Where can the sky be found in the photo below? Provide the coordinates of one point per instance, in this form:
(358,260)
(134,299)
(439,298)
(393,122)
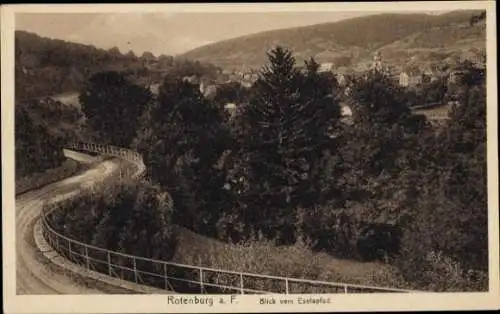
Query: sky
(166,32)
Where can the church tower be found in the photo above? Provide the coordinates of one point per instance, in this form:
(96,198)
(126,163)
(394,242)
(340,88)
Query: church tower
(377,62)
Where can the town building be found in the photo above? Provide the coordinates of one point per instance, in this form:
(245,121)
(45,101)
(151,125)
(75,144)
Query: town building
(341,74)
(326,67)
(410,78)
(341,79)
(231,109)
(208,88)
(346,114)
(377,62)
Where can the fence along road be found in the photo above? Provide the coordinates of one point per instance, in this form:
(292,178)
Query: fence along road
(173,276)
(34,274)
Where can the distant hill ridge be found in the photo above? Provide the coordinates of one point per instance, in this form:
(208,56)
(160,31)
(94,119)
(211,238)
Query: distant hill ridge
(354,39)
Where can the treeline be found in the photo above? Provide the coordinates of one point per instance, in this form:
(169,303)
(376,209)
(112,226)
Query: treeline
(284,166)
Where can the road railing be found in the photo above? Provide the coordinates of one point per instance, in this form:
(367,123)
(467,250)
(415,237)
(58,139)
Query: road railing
(177,277)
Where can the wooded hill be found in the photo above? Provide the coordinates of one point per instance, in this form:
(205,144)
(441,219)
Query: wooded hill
(353,40)
(45,66)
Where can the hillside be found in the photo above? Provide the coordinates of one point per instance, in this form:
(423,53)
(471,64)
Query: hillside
(45,66)
(353,40)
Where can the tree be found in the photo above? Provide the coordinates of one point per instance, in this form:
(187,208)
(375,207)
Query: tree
(450,219)
(435,92)
(36,149)
(129,217)
(148,56)
(379,154)
(113,106)
(148,229)
(183,137)
(165,61)
(477,18)
(320,95)
(284,134)
(232,92)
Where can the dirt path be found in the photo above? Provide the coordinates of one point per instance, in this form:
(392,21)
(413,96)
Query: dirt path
(34,273)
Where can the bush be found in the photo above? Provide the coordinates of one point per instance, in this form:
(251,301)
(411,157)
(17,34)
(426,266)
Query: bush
(438,272)
(132,218)
(265,258)
(348,233)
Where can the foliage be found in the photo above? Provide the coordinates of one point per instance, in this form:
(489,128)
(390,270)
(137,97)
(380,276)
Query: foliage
(264,257)
(381,148)
(282,139)
(232,92)
(174,138)
(432,92)
(133,218)
(46,67)
(36,149)
(186,67)
(451,217)
(285,170)
(113,106)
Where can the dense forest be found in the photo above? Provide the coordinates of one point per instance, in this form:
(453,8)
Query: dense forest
(285,167)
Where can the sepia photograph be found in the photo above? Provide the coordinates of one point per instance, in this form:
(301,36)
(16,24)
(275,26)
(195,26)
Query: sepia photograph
(213,156)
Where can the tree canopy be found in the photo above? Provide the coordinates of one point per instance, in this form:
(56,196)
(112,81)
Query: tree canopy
(113,105)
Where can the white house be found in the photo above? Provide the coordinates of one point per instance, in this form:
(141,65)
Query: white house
(404,79)
(326,67)
(346,114)
(410,78)
(208,89)
(341,79)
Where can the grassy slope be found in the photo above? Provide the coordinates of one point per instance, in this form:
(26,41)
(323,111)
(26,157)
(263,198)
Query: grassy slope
(356,37)
(292,261)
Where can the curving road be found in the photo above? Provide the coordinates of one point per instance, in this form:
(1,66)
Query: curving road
(34,273)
